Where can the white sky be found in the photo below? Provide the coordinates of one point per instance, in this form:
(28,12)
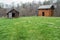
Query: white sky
(17,1)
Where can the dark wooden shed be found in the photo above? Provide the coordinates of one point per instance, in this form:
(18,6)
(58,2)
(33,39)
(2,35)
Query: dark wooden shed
(46,10)
(13,14)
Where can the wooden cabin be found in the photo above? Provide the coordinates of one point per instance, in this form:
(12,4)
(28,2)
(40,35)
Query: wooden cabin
(13,14)
(46,10)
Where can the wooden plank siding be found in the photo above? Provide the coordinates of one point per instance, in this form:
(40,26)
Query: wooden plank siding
(47,12)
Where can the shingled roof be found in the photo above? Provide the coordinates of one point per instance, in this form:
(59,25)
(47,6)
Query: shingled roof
(45,6)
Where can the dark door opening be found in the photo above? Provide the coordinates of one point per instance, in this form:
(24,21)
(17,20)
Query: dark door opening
(43,14)
(13,14)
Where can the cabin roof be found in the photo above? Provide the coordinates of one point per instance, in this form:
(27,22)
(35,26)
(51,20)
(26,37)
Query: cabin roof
(12,10)
(45,6)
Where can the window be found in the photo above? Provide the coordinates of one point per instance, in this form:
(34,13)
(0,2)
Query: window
(43,14)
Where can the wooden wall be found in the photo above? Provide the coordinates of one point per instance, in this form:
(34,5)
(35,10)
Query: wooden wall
(47,12)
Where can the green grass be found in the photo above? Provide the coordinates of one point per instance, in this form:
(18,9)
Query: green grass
(30,28)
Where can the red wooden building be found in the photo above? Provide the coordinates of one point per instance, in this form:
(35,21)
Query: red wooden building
(46,10)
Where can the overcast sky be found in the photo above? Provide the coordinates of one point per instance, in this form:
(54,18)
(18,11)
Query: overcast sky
(17,1)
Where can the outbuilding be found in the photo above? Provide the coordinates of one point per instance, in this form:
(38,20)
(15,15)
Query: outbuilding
(13,13)
(46,10)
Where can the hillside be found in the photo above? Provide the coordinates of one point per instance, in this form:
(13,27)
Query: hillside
(30,28)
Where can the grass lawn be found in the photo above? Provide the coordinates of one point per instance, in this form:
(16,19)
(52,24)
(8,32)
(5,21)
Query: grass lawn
(30,28)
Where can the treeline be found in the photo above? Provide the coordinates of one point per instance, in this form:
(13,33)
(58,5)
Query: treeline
(31,9)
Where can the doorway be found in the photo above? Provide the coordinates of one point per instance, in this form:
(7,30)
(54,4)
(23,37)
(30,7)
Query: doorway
(13,14)
(43,14)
